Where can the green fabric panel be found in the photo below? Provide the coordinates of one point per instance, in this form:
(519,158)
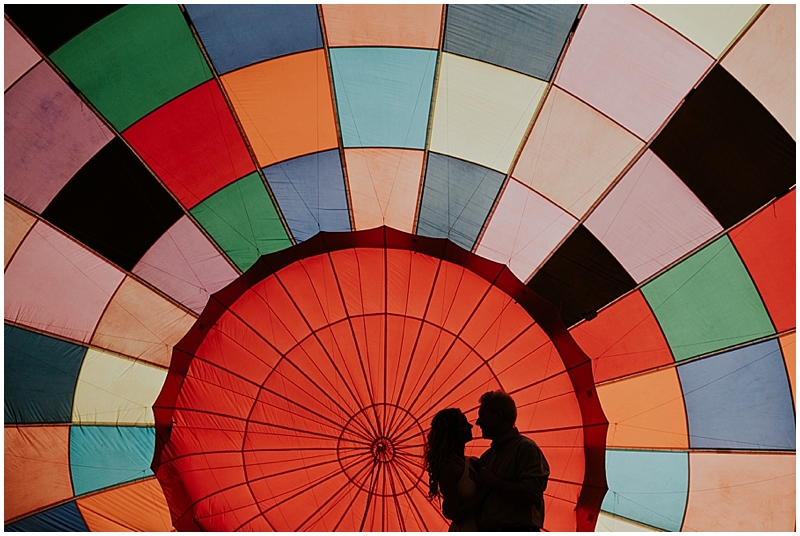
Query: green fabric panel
(133,61)
(242,219)
(708,302)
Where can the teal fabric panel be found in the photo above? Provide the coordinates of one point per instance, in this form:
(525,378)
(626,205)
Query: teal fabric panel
(383,95)
(456,199)
(104,456)
(740,400)
(647,486)
(524,38)
(40,377)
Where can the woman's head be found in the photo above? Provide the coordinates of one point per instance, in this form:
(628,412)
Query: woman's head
(450,432)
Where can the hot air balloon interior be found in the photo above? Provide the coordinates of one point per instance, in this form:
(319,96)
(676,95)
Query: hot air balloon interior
(251,250)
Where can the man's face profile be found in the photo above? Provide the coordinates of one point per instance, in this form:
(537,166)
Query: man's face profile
(489,420)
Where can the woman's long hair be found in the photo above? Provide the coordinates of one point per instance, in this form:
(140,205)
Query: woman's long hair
(443,443)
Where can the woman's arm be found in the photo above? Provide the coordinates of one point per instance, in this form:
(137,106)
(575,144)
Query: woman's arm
(453,507)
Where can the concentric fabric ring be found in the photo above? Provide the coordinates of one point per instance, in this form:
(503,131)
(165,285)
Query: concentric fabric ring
(318,371)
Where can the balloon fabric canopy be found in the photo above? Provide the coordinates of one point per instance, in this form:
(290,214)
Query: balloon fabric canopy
(250,251)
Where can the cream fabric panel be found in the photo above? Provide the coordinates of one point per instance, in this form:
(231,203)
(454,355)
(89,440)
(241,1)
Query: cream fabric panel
(574,153)
(114,390)
(741,491)
(712,27)
(609,523)
(764,61)
(141,324)
(482,111)
(384,186)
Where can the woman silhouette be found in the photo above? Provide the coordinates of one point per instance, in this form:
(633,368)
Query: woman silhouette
(453,475)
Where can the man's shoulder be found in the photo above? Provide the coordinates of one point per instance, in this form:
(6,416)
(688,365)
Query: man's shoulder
(526,444)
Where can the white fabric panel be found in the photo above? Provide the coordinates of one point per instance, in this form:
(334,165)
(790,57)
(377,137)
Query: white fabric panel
(113,390)
(524,229)
(482,111)
(712,27)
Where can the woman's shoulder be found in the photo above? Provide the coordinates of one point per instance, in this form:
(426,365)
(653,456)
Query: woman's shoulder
(452,469)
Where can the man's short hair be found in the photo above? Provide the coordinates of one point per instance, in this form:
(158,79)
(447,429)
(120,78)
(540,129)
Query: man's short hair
(502,401)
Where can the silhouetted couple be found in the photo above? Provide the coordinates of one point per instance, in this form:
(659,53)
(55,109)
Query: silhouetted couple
(501,491)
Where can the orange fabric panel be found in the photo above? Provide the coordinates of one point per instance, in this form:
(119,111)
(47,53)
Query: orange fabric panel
(280,318)
(285,106)
(139,323)
(233,345)
(555,445)
(384,186)
(17,224)
(231,395)
(624,339)
(455,285)
(212,471)
(137,507)
(559,503)
(405,267)
(231,508)
(312,283)
(498,321)
(766,244)
(645,411)
(417,25)
(548,405)
(361,275)
(36,468)
(789,348)
(741,491)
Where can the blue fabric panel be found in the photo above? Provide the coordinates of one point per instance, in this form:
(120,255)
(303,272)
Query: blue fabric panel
(648,487)
(383,95)
(40,377)
(62,518)
(524,38)
(739,400)
(238,35)
(456,199)
(310,192)
(103,456)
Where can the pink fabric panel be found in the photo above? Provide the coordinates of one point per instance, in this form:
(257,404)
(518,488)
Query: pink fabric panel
(19,56)
(524,229)
(630,66)
(49,135)
(57,286)
(651,219)
(185,265)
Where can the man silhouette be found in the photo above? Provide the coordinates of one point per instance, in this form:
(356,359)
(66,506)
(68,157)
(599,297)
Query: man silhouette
(513,468)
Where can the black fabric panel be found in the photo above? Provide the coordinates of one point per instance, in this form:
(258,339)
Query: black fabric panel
(114,205)
(51,25)
(581,277)
(728,149)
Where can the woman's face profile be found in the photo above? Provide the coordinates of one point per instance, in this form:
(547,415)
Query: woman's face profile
(465,429)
